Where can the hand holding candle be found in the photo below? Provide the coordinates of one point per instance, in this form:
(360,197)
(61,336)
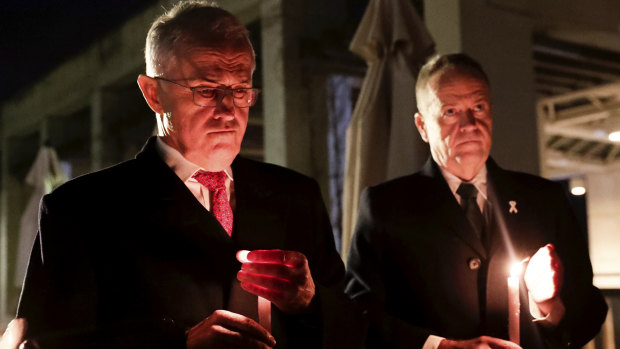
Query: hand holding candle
(543,276)
(282,277)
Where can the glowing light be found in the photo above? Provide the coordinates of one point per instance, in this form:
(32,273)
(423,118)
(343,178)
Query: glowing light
(514,303)
(516,269)
(577,186)
(242,256)
(614,136)
(578,191)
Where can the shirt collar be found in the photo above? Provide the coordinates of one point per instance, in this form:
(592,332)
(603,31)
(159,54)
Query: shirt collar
(182,167)
(479,181)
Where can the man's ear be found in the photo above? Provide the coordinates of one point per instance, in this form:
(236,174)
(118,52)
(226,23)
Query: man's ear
(149,88)
(421,126)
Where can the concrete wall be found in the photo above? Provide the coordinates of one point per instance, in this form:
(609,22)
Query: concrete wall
(500,40)
(604,227)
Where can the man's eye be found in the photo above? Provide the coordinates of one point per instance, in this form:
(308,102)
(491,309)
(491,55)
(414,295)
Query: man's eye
(206,92)
(479,107)
(240,93)
(449,112)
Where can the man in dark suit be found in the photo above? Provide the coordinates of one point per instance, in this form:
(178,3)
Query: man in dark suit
(431,253)
(142,254)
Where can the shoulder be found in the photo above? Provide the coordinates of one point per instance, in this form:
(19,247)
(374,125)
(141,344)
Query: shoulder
(107,181)
(274,176)
(524,181)
(405,186)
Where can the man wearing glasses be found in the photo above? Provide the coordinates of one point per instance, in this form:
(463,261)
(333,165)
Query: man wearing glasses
(143,254)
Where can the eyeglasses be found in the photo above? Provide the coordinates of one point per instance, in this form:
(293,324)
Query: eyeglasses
(211,97)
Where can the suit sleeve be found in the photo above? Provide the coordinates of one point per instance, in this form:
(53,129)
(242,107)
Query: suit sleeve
(59,296)
(366,287)
(585,306)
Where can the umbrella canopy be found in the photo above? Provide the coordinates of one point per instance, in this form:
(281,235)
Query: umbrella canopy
(44,175)
(382,142)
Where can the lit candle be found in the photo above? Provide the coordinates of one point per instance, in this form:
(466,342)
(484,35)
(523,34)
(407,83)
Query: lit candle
(514,304)
(264,306)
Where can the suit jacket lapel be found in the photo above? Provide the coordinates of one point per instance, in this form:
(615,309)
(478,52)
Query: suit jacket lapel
(449,211)
(174,205)
(257,222)
(507,224)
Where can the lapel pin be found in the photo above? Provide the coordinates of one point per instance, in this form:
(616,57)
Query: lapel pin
(513,207)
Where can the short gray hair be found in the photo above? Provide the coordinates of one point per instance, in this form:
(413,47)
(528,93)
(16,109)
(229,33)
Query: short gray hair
(437,63)
(192,23)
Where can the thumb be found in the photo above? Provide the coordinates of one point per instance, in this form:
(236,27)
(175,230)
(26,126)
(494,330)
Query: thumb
(14,335)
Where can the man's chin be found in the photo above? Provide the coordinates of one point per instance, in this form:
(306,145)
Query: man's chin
(215,158)
(471,160)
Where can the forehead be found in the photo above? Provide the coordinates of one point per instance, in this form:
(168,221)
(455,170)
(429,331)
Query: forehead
(457,84)
(211,62)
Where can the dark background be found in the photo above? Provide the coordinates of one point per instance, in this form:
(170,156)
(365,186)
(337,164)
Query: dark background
(37,35)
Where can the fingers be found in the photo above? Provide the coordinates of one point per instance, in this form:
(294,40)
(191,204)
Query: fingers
(243,325)
(282,277)
(29,344)
(237,339)
(277,274)
(483,342)
(543,276)
(291,259)
(293,294)
(14,334)
(267,281)
(498,343)
(225,329)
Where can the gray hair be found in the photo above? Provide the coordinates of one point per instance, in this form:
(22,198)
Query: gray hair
(438,63)
(192,23)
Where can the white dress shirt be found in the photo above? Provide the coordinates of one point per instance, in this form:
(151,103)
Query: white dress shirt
(185,169)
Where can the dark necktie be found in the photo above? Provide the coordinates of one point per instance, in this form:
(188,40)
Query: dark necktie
(468,194)
(220,207)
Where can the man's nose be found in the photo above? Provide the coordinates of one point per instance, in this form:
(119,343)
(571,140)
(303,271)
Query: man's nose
(226,107)
(467,119)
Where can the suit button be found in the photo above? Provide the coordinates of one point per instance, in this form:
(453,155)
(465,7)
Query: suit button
(474,263)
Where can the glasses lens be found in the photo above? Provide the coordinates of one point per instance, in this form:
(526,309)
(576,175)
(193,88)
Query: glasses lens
(211,97)
(245,98)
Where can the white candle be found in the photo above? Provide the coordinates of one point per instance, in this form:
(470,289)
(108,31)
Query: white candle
(264,313)
(514,304)
(264,306)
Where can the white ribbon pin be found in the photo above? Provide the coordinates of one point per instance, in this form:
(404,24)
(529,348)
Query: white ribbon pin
(513,207)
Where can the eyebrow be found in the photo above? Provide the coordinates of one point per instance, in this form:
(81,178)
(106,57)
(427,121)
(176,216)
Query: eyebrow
(216,82)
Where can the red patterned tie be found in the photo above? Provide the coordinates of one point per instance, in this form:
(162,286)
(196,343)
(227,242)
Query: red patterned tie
(220,207)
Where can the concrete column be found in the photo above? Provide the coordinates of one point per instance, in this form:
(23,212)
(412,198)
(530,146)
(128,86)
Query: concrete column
(287,136)
(499,37)
(96,130)
(4,238)
(106,107)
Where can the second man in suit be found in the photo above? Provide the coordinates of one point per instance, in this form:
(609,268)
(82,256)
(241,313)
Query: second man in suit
(432,251)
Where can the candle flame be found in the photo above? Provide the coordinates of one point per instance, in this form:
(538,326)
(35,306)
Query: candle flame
(515,269)
(242,256)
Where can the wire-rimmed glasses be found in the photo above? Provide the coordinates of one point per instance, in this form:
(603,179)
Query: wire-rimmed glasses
(211,97)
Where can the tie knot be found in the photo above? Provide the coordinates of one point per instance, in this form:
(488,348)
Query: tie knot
(212,180)
(467,191)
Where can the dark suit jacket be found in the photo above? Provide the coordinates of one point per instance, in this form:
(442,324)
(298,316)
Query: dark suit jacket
(412,264)
(128,256)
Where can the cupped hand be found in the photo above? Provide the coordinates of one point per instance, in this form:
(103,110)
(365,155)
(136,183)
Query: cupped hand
(543,276)
(483,342)
(14,336)
(224,329)
(283,277)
